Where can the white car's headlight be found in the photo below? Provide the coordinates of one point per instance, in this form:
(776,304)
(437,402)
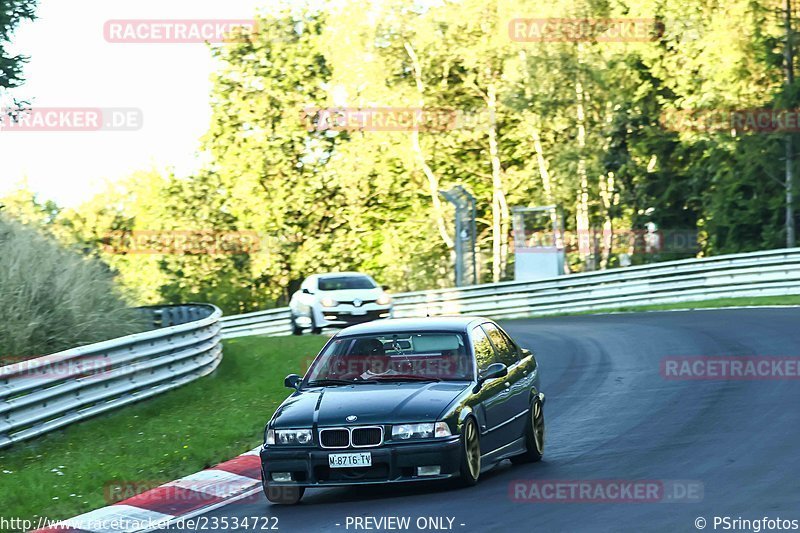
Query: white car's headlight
(384,299)
(420,431)
(289,437)
(328,302)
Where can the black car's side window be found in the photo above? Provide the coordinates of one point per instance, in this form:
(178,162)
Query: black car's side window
(506,352)
(484,353)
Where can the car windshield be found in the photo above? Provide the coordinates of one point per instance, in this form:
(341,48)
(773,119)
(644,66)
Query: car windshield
(345,282)
(422,356)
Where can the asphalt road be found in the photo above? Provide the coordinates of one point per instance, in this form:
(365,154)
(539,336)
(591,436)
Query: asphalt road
(611,415)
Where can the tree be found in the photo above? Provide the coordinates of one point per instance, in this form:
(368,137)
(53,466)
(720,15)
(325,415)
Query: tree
(12,12)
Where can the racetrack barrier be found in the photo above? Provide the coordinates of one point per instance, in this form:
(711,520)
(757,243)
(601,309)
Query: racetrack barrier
(42,394)
(768,273)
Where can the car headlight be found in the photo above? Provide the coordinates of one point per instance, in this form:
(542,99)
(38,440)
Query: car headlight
(384,299)
(288,437)
(328,302)
(420,431)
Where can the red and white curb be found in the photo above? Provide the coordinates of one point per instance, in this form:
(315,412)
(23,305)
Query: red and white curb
(183,498)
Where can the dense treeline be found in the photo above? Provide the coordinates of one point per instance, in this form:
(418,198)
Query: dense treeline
(614,132)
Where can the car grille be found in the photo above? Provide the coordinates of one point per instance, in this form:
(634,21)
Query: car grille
(367,436)
(357,437)
(334,438)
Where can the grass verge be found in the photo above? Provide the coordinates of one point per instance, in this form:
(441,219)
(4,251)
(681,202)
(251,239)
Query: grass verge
(178,433)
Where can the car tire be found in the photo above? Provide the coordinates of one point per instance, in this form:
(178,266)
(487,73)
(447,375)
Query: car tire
(470,469)
(534,436)
(314,328)
(282,495)
(296,330)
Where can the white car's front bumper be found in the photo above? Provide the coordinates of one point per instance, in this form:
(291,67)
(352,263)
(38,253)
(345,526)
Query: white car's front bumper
(344,315)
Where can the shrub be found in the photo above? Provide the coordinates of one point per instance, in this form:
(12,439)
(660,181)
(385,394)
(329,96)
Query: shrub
(52,298)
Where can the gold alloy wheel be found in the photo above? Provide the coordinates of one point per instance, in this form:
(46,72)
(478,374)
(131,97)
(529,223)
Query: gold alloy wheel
(537,419)
(473,449)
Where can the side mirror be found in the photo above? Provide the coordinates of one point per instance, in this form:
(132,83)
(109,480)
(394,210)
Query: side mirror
(385,287)
(525,353)
(495,370)
(306,291)
(292,381)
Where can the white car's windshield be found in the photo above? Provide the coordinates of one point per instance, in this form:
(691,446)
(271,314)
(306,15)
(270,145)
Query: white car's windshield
(338,283)
(423,356)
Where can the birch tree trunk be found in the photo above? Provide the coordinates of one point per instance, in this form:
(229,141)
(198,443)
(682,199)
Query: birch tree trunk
(500,214)
(582,207)
(433,181)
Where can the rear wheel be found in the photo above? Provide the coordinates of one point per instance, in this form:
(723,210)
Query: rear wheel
(470,454)
(534,436)
(282,495)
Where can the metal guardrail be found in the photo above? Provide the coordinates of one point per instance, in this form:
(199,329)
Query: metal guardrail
(769,273)
(52,391)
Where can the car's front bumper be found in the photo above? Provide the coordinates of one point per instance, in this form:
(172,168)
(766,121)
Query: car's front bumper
(390,464)
(348,317)
(343,316)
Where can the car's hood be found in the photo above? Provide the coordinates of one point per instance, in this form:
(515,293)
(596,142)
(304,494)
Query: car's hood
(386,403)
(348,295)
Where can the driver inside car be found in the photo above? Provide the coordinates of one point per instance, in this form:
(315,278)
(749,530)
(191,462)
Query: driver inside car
(377,362)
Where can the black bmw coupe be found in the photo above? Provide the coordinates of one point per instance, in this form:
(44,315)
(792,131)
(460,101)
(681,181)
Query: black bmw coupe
(404,400)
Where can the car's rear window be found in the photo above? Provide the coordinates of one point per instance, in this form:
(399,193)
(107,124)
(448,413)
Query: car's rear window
(441,356)
(345,282)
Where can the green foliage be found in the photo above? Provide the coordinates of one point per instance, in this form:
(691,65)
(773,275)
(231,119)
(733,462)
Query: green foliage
(363,200)
(12,12)
(53,298)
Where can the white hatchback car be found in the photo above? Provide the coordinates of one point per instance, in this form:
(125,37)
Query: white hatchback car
(338,299)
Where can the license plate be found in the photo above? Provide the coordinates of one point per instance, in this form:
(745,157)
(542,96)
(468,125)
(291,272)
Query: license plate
(359,312)
(349,460)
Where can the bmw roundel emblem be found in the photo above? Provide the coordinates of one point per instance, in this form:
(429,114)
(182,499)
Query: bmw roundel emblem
(351,418)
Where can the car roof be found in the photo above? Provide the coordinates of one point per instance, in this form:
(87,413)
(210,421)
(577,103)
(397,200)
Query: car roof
(404,325)
(337,274)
